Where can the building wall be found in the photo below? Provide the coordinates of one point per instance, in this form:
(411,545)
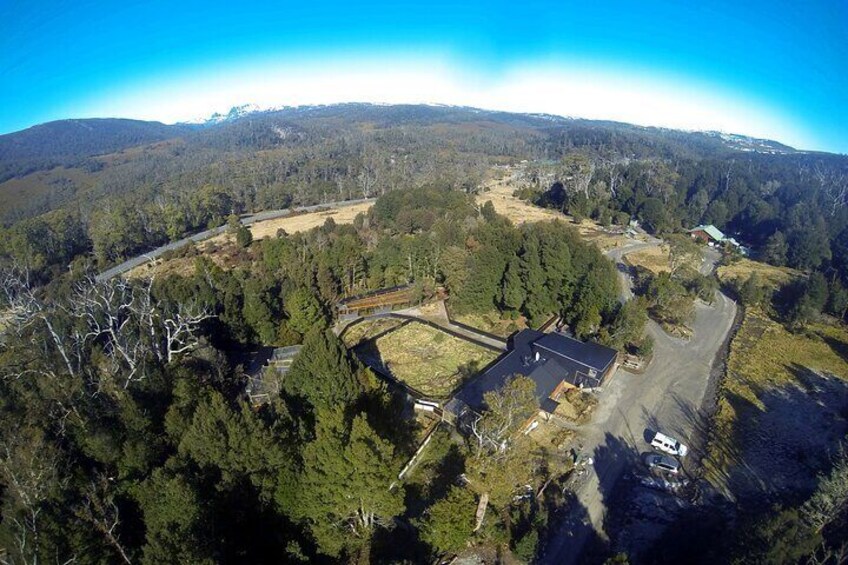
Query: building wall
(702,235)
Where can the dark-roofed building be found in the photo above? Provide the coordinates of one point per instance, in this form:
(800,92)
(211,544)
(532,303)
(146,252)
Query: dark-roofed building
(554,361)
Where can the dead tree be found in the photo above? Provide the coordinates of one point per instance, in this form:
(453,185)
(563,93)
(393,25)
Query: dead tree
(181,328)
(99,509)
(31,470)
(25,308)
(106,309)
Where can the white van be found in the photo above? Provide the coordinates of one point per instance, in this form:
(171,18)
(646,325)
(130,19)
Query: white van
(669,445)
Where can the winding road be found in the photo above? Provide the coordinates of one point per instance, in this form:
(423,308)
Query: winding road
(668,397)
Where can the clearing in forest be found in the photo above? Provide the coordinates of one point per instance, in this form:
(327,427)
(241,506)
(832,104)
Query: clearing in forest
(428,360)
(305,222)
(221,247)
(742,270)
(782,408)
(500,193)
(655,259)
(296,223)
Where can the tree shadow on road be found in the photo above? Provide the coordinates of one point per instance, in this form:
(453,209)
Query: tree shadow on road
(613,459)
(653,426)
(573,538)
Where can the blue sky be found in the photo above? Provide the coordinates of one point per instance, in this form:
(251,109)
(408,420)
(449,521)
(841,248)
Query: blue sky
(773,69)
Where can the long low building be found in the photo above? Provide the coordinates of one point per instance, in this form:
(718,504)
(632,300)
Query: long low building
(707,234)
(554,361)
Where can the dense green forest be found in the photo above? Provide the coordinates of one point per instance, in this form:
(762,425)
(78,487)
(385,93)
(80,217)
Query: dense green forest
(119,194)
(126,434)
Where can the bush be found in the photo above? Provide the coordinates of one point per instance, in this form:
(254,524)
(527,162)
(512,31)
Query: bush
(287,336)
(645,347)
(525,548)
(243,237)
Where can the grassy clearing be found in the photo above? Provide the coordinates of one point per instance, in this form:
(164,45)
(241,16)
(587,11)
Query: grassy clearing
(764,362)
(594,233)
(181,262)
(368,329)
(655,259)
(430,360)
(301,222)
(221,248)
(518,211)
(500,193)
(492,322)
(763,353)
(742,270)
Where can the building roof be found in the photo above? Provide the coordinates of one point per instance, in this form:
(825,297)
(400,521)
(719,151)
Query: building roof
(711,231)
(586,353)
(559,358)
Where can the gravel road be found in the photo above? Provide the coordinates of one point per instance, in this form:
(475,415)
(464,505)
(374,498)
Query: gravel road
(665,398)
(204,235)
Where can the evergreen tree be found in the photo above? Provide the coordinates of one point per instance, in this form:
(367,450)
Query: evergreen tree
(304,311)
(450,521)
(323,372)
(175,520)
(775,249)
(243,237)
(344,491)
(556,261)
(259,308)
(235,445)
(538,303)
(511,288)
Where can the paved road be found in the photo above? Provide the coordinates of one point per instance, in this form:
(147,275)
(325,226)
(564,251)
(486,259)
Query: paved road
(666,397)
(204,235)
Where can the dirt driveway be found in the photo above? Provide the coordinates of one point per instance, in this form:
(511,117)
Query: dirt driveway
(667,398)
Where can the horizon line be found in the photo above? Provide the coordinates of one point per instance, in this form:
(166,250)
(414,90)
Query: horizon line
(258,109)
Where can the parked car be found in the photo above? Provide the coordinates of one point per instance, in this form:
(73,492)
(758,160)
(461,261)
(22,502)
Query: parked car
(662,462)
(669,445)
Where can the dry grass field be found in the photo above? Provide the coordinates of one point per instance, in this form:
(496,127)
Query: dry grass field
(492,323)
(655,259)
(368,329)
(500,193)
(430,360)
(220,248)
(781,407)
(518,211)
(224,253)
(305,222)
(301,222)
(764,353)
(744,268)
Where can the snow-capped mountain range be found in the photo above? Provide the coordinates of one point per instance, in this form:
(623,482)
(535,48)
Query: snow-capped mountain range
(734,141)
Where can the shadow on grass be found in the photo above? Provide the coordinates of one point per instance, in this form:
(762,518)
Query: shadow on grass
(773,454)
(837,346)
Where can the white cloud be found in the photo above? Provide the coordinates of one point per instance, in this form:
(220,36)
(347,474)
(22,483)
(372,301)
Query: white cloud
(628,95)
